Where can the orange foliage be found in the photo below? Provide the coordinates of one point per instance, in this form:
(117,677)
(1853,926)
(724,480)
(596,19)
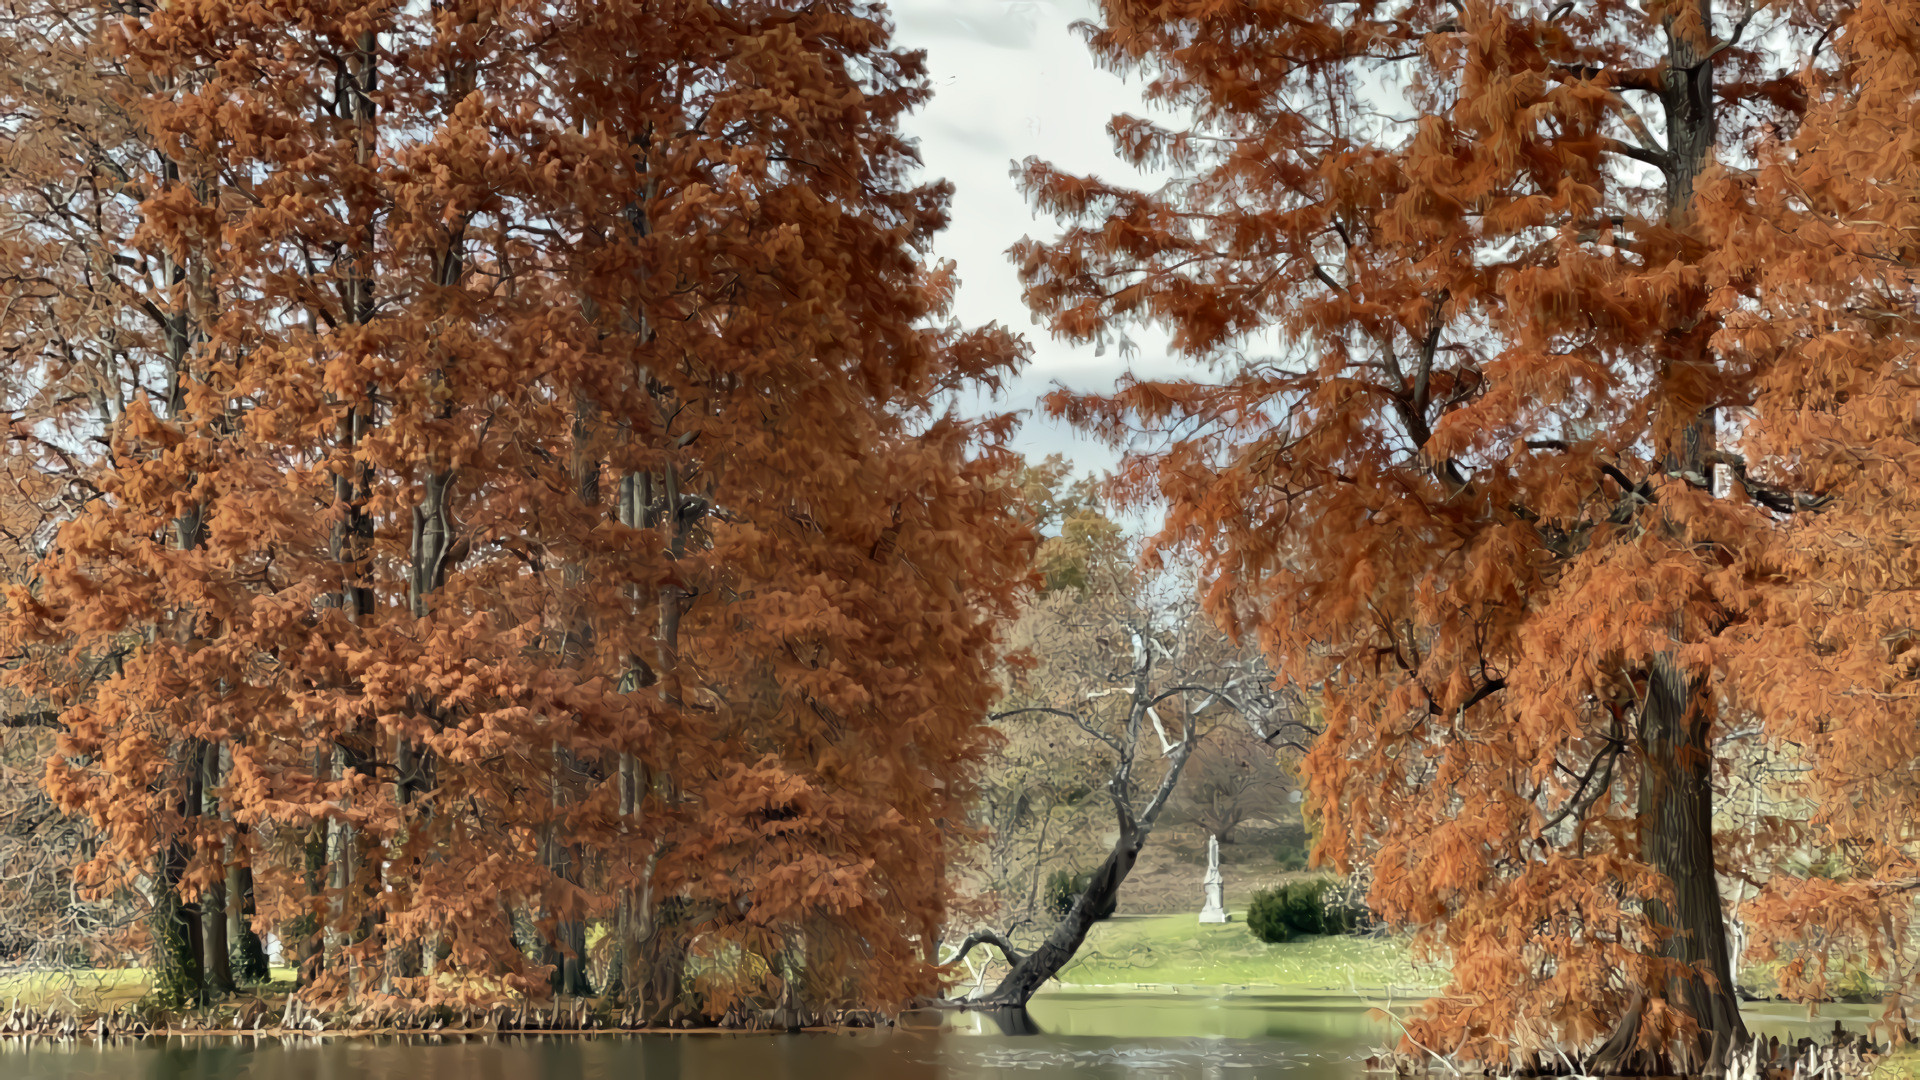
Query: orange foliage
(1815,276)
(551,513)
(1486,494)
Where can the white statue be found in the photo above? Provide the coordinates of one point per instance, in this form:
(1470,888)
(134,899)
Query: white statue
(1215,910)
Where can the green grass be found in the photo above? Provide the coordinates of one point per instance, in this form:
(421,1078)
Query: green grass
(83,990)
(1177,950)
(93,989)
(1902,1064)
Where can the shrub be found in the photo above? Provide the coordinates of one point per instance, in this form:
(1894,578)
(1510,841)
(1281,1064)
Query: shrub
(1300,908)
(1063,886)
(1264,918)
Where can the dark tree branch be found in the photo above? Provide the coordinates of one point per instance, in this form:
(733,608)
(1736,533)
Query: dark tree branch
(1578,804)
(1659,159)
(1773,498)
(986,937)
(1487,690)
(1035,709)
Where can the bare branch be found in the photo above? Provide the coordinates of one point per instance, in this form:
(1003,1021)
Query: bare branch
(985,937)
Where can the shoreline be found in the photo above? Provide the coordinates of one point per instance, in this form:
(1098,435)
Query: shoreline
(296,1021)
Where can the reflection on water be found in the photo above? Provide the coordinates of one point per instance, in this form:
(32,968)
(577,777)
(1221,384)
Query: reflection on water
(1135,1036)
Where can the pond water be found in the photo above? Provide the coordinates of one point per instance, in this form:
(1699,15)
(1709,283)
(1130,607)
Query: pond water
(1135,1036)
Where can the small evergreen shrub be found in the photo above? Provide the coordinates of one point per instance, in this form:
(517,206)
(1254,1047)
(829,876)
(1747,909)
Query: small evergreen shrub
(1267,918)
(1302,908)
(1063,886)
(249,958)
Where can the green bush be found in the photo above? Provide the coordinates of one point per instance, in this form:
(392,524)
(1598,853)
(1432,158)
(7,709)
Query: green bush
(1063,886)
(1301,908)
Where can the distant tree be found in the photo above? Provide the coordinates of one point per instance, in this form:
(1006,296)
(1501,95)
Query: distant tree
(1135,675)
(1233,776)
(1070,513)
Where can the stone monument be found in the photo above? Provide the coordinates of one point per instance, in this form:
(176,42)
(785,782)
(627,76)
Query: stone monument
(1216,909)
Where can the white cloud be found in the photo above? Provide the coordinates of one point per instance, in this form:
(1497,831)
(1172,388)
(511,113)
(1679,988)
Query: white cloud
(1012,79)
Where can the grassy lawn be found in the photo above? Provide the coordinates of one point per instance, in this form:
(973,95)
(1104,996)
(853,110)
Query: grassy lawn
(1177,950)
(1903,1064)
(88,991)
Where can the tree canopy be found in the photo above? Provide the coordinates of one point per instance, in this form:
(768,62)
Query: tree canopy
(1591,372)
(527,496)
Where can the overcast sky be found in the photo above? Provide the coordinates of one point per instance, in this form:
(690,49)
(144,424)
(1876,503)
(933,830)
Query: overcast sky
(1011,79)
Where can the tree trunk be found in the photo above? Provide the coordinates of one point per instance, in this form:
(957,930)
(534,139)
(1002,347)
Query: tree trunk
(565,946)
(180,947)
(236,925)
(248,960)
(1676,838)
(567,951)
(1676,789)
(621,977)
(403,953)
(340,858)
(177,948)
(250,953)
(216,960)
(1032,971)
(308,933)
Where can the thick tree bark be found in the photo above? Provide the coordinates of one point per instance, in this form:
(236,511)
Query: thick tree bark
(216,960)
(177,943)
(1676,790)
(1676,838)
(217,963)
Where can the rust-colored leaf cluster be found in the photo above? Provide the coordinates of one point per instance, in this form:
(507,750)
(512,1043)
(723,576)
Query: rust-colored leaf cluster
(1561,434)
(515,492)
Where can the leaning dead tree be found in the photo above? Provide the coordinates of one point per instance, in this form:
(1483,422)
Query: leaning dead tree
(1142,681)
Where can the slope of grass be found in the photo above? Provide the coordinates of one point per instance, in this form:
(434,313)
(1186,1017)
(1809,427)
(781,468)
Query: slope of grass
(1178,950)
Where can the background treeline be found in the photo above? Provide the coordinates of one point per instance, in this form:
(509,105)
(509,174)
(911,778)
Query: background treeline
(481,501)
